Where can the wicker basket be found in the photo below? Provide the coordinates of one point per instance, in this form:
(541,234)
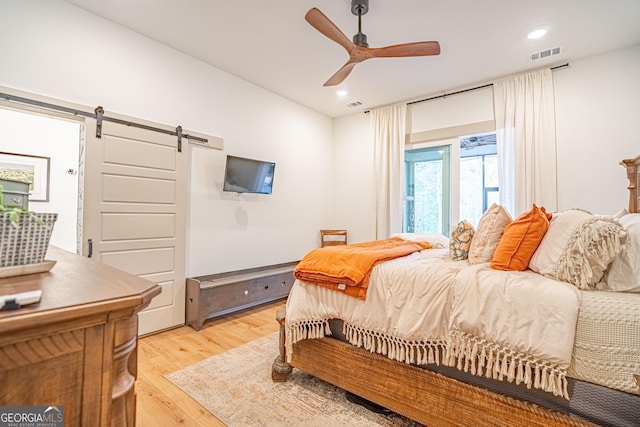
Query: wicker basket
(27,243)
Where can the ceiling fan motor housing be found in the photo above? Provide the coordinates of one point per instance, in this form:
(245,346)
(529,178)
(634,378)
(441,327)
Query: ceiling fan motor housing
(360,39)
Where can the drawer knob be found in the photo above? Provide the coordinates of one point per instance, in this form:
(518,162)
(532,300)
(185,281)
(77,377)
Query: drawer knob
(266,287)
(283,284)
(246,292)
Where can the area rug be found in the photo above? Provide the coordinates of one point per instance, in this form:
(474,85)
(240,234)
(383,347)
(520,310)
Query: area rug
(236,387)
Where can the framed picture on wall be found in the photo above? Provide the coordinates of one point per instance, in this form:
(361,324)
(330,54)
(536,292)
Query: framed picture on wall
(27,168)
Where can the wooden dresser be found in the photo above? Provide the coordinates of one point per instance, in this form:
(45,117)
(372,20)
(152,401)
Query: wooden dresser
(77,348)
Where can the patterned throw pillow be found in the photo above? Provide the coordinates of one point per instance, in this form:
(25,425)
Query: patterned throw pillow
(578,247)
(461,238)
(488,234)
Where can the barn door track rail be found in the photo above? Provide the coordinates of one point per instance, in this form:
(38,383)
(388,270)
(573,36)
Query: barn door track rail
(100,117)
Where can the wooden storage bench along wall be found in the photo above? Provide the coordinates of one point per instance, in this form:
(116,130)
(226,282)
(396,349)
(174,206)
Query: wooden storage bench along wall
(218,294)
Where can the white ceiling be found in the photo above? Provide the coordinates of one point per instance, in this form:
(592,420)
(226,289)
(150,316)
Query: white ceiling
(268,42)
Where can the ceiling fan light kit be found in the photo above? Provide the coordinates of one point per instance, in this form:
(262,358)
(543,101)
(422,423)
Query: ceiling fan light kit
(359,49)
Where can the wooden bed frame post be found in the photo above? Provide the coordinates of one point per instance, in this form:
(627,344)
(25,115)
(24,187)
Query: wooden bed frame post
(633,174)
(281,369)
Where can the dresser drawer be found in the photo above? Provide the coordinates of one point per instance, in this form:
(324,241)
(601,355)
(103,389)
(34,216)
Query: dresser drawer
(273,286)
(15,193)
(220,298)
(15,199)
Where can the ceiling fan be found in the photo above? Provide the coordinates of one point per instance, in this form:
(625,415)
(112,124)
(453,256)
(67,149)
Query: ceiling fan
(359,49)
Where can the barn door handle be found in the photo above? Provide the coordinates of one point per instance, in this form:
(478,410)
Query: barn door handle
(90,248)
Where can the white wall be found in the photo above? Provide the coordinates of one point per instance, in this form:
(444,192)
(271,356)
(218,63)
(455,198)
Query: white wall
(454,110)
(596,126)
(597,122)
(353,196)
(248,230)
(55,49)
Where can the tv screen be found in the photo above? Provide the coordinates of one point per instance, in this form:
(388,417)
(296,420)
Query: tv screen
(248,175)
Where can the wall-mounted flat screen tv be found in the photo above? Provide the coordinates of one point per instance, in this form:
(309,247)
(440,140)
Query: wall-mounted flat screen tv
(243,175)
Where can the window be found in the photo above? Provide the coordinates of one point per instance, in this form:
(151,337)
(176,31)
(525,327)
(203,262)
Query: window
(427,172)
(478,176)
(450,180)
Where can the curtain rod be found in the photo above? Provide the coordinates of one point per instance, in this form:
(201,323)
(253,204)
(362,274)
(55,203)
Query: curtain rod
(444,95)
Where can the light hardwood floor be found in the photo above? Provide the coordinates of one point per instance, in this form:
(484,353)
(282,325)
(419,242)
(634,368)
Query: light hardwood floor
(159,402)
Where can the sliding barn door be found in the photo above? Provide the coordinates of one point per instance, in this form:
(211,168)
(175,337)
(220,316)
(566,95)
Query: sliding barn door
(135,197)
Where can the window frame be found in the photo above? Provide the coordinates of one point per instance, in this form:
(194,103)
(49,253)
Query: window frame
(453,141)
(454,176)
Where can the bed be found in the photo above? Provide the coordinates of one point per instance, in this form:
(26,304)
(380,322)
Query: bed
(458,366)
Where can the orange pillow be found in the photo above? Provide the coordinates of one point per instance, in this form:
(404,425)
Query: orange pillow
(520,240)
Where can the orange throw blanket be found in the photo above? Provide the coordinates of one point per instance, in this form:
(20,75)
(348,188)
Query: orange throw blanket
(346,268)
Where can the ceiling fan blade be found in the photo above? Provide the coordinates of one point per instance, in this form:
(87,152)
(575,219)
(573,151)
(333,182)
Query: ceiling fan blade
(341,74)
(320,22)
(407,49)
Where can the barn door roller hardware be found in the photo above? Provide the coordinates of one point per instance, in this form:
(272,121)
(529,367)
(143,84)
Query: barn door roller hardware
(100,117)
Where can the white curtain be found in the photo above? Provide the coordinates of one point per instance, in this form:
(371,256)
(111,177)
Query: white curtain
(526,141)
(388,126)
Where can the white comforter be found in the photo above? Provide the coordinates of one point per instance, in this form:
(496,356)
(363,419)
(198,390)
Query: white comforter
(425,308)
(518,326)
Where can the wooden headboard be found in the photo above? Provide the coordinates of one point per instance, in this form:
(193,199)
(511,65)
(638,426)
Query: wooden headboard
(633,173)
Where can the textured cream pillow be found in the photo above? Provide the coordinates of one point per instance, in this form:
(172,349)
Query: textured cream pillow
(623,274)
(488,234)
(578,247)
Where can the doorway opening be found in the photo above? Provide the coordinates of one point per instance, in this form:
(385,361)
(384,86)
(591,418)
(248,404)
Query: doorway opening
(59,141)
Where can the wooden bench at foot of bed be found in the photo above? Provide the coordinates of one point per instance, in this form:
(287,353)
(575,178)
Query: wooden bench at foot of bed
(424,396)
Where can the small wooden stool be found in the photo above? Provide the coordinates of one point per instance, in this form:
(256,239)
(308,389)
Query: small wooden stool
(333,237)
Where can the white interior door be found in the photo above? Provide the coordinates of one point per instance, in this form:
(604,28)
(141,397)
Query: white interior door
(135,197)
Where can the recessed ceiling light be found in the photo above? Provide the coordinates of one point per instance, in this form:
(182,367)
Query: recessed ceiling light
(342,93)
(537,33)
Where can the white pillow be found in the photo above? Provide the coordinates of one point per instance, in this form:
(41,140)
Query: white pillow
(488,234)
(622,212)
(623,274)
(436,240)
(578,247)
